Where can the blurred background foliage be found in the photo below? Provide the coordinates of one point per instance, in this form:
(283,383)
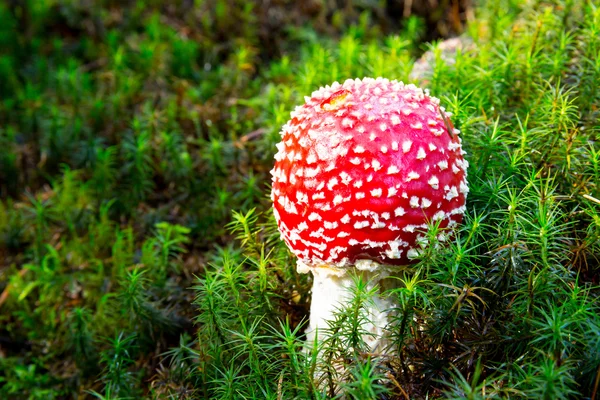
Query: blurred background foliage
(138,256)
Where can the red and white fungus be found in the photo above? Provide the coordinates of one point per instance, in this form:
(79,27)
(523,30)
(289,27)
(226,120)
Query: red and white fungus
(363,168)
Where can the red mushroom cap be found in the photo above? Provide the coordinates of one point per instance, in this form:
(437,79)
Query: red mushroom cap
(361,171)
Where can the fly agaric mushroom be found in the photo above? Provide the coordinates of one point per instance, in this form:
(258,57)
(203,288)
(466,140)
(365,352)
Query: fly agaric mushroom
(361,171)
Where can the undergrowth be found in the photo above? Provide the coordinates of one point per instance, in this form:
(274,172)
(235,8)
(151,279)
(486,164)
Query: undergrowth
(139,256)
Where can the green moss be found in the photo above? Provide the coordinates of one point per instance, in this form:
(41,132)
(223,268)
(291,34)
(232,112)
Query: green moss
(138,253)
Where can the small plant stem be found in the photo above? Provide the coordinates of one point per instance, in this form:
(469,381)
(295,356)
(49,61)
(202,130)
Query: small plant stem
(596,383)
(401,342)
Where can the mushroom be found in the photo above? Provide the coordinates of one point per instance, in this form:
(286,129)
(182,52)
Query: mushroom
(362,169)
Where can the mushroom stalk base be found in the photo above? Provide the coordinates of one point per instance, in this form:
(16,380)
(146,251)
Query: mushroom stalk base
(332,288)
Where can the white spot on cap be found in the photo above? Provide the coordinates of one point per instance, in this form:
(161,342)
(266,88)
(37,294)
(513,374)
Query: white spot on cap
(439,215)
(443,164)
(314,217)
(394,145)
(385,215)
(395,120)
(421,154)
(452,146)
(330,225)
(412,254)
(345,219)
(464,189)
(338,199)
(280,176)
(311,158)
(384,149)
(406,145)
(434,182)
(359,195)
(376,192)
(422,241)
(425,202)
(392,192)
(301,197)
(282,201)
(291,208)
(452,193)
(398,212)
(412,175)
(316,234)
(462,164)
(345,178)
(359,149)
(357,184)
(311,172)
(361,224)
(332,182)
(455,169)
(458,210)
(416,125)
(392,170)
(382,127)
(303,141)
(376,165)
(394,252)
(343,234)
(432,147)
(414,202)
(323,206)
(372,136)
(323,152)
(355,160)
(378,225)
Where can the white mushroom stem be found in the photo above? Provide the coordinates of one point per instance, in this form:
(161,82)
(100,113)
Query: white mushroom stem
(332,289)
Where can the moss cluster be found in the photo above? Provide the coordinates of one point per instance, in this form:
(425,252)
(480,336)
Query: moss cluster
(138,254)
